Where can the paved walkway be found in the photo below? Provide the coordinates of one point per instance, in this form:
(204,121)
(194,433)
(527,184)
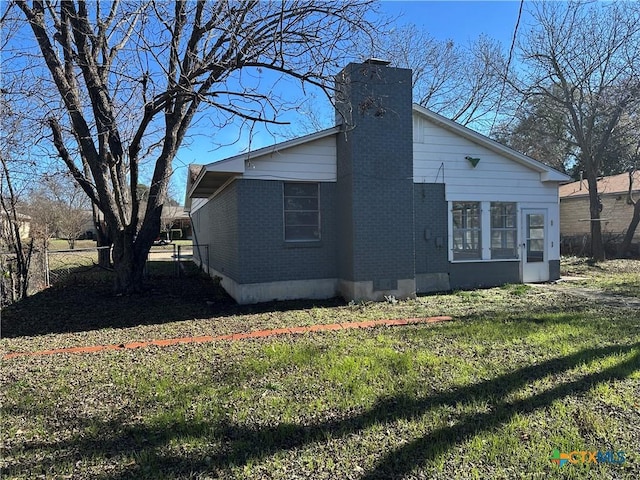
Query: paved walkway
(232,337)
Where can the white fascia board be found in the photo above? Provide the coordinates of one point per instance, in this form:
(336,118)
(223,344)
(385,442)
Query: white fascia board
(230,165)
(277,147)
(547,174)
(554,176)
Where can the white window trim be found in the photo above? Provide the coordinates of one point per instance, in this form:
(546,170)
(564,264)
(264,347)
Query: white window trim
(517,229)
(485,232)
(451,240)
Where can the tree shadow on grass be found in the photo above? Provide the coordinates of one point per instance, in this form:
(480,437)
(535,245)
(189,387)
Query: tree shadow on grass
(81,306)
(242,444)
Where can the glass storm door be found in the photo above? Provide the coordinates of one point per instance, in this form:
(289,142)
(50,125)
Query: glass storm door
(535,265)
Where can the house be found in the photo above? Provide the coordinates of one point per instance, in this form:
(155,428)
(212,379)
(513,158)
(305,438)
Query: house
(615,215)
(174,220)
(394,200)
(24,226)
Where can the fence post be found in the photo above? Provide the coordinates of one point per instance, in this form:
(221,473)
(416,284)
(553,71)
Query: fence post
(145,270)
(178,261)
(47,274)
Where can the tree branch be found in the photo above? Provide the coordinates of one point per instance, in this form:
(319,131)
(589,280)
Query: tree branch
(58,142)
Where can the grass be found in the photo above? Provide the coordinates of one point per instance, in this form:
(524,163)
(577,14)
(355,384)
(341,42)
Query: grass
(62,244)
(521,371)
(619,277)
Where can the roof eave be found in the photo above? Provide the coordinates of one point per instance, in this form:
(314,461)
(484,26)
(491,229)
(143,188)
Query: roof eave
(220,172)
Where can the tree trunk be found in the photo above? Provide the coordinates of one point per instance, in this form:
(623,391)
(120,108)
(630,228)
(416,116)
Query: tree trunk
(130,253)
(128,265)
(103,239)
(597,247)
(628,236)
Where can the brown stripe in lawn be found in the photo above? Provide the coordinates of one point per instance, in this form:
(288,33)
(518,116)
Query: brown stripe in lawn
(232,337)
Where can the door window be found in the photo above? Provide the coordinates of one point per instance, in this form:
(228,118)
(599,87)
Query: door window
(535,237)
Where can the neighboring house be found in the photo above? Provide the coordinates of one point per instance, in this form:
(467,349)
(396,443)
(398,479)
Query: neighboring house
(396,200)
(616,212)
(24,226)
(173,218)
(176,218)
(89,227)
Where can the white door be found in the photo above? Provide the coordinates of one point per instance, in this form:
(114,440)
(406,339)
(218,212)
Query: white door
(535,264)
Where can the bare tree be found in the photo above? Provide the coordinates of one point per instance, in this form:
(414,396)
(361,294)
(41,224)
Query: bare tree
(625,246)
(583,59)
(15,262)
(45,216)
(460,82)
(540,129)
(150,68)
(58,207)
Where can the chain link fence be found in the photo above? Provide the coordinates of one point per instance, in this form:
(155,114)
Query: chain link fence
(59,267)
(9,281)
(63,266)
(173,258)
(580,245)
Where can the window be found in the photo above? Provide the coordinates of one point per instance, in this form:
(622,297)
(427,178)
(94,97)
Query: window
(535,237)
(466,231)
(504,230)
(301,212)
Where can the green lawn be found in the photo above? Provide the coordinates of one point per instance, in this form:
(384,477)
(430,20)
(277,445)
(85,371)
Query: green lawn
(62,244)
(519,373)
(619,277)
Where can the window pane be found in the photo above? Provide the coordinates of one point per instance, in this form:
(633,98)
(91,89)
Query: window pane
(302,233)
(503,239)
(510,239)
(301,218)
(300,203)
(457,219)
(301,189)
(536,233)
(536,220)
(496,239)
(472,240)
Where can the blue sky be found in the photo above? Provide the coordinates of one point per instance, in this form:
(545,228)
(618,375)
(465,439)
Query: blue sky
(460,21)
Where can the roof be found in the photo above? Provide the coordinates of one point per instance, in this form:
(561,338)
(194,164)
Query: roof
(21,217)
(614,184)
(174,211)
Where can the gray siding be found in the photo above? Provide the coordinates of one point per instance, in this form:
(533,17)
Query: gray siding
(554,270)
(216,225)
(483,274)
(431,229)
(264,255)
(375,176)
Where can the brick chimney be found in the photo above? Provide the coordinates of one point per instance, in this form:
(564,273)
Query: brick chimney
(376,251)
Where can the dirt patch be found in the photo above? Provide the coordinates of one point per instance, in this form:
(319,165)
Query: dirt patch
(595,295)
